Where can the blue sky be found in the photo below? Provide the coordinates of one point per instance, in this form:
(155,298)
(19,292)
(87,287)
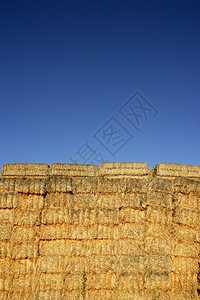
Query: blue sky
(67,67)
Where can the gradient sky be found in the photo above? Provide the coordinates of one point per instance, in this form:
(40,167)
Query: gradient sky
(67,67)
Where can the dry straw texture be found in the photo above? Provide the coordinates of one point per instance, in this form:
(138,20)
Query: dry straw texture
(117,232)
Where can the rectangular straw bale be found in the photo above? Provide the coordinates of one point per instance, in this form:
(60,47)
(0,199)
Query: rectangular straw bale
(4,266)
(102,247)
(7,185)
(25,170)
(22,267)
(4,249)
(157,279)
(59,247)
(164,185)
(50,264)
(187,234)
(59,200)
(186,217)
(24,250)
(22,283)
(131,263)
(5,231)
(123,169)
(26,217)
(159,263)
(188,201)
(61,184)
(185,265)
(100,294)
(102,264)
(54,232)
(54,295)
(50,282)
(101,281)
(74,170)
(82,201)
(136,185)
(176,170)
(157,246)
(84,185)
(134,200)
(55,216)
(130,246)
(186,249)
(75,265)
(8,200)
(73,282)
(6,216)
(159,215)
(5,283)
(131,283)
(160,200)
(111,185)
(22,234)
(108,201)
(132,231)
(127,215)
(158,230)
(30,202)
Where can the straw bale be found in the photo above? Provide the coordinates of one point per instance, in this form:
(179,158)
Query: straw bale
(22,267)
(4,266)
(25,170)
(6,216)
(54,232)
(26,217)
(55,216)
(185,185)
(185,265)
(22,234)
(5,231)
(74,170)
(186,216)
(83,216)
(7,185)
(59,247)
(131,263)
(22,295)
(50,282)
(188,201)
(127,215)
(108,201)
(52,295)
(75,265)
(78,248)
(24,250)
(4,249)
(186,250)
(29,185)
(59,200)
(8,200)
(73,282)
(159,215)
(157,245)
(132,231)
(159,263)
(111,185)
(163,185)
(5,283)
(134,200)
(84,185)
(107,216)
(22,283)
(61,184)
(158,230)
(136,185)
(160,199)
(101,281)
(187,234)
(104,294)
(107,232)
(183,281)
(127,169)
(175,170)
(50,264)
(131,283)
(158,280)
(30,202)
(130,246)
(102,264)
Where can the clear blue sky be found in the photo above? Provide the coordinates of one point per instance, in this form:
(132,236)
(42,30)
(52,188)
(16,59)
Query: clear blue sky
(68,70)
